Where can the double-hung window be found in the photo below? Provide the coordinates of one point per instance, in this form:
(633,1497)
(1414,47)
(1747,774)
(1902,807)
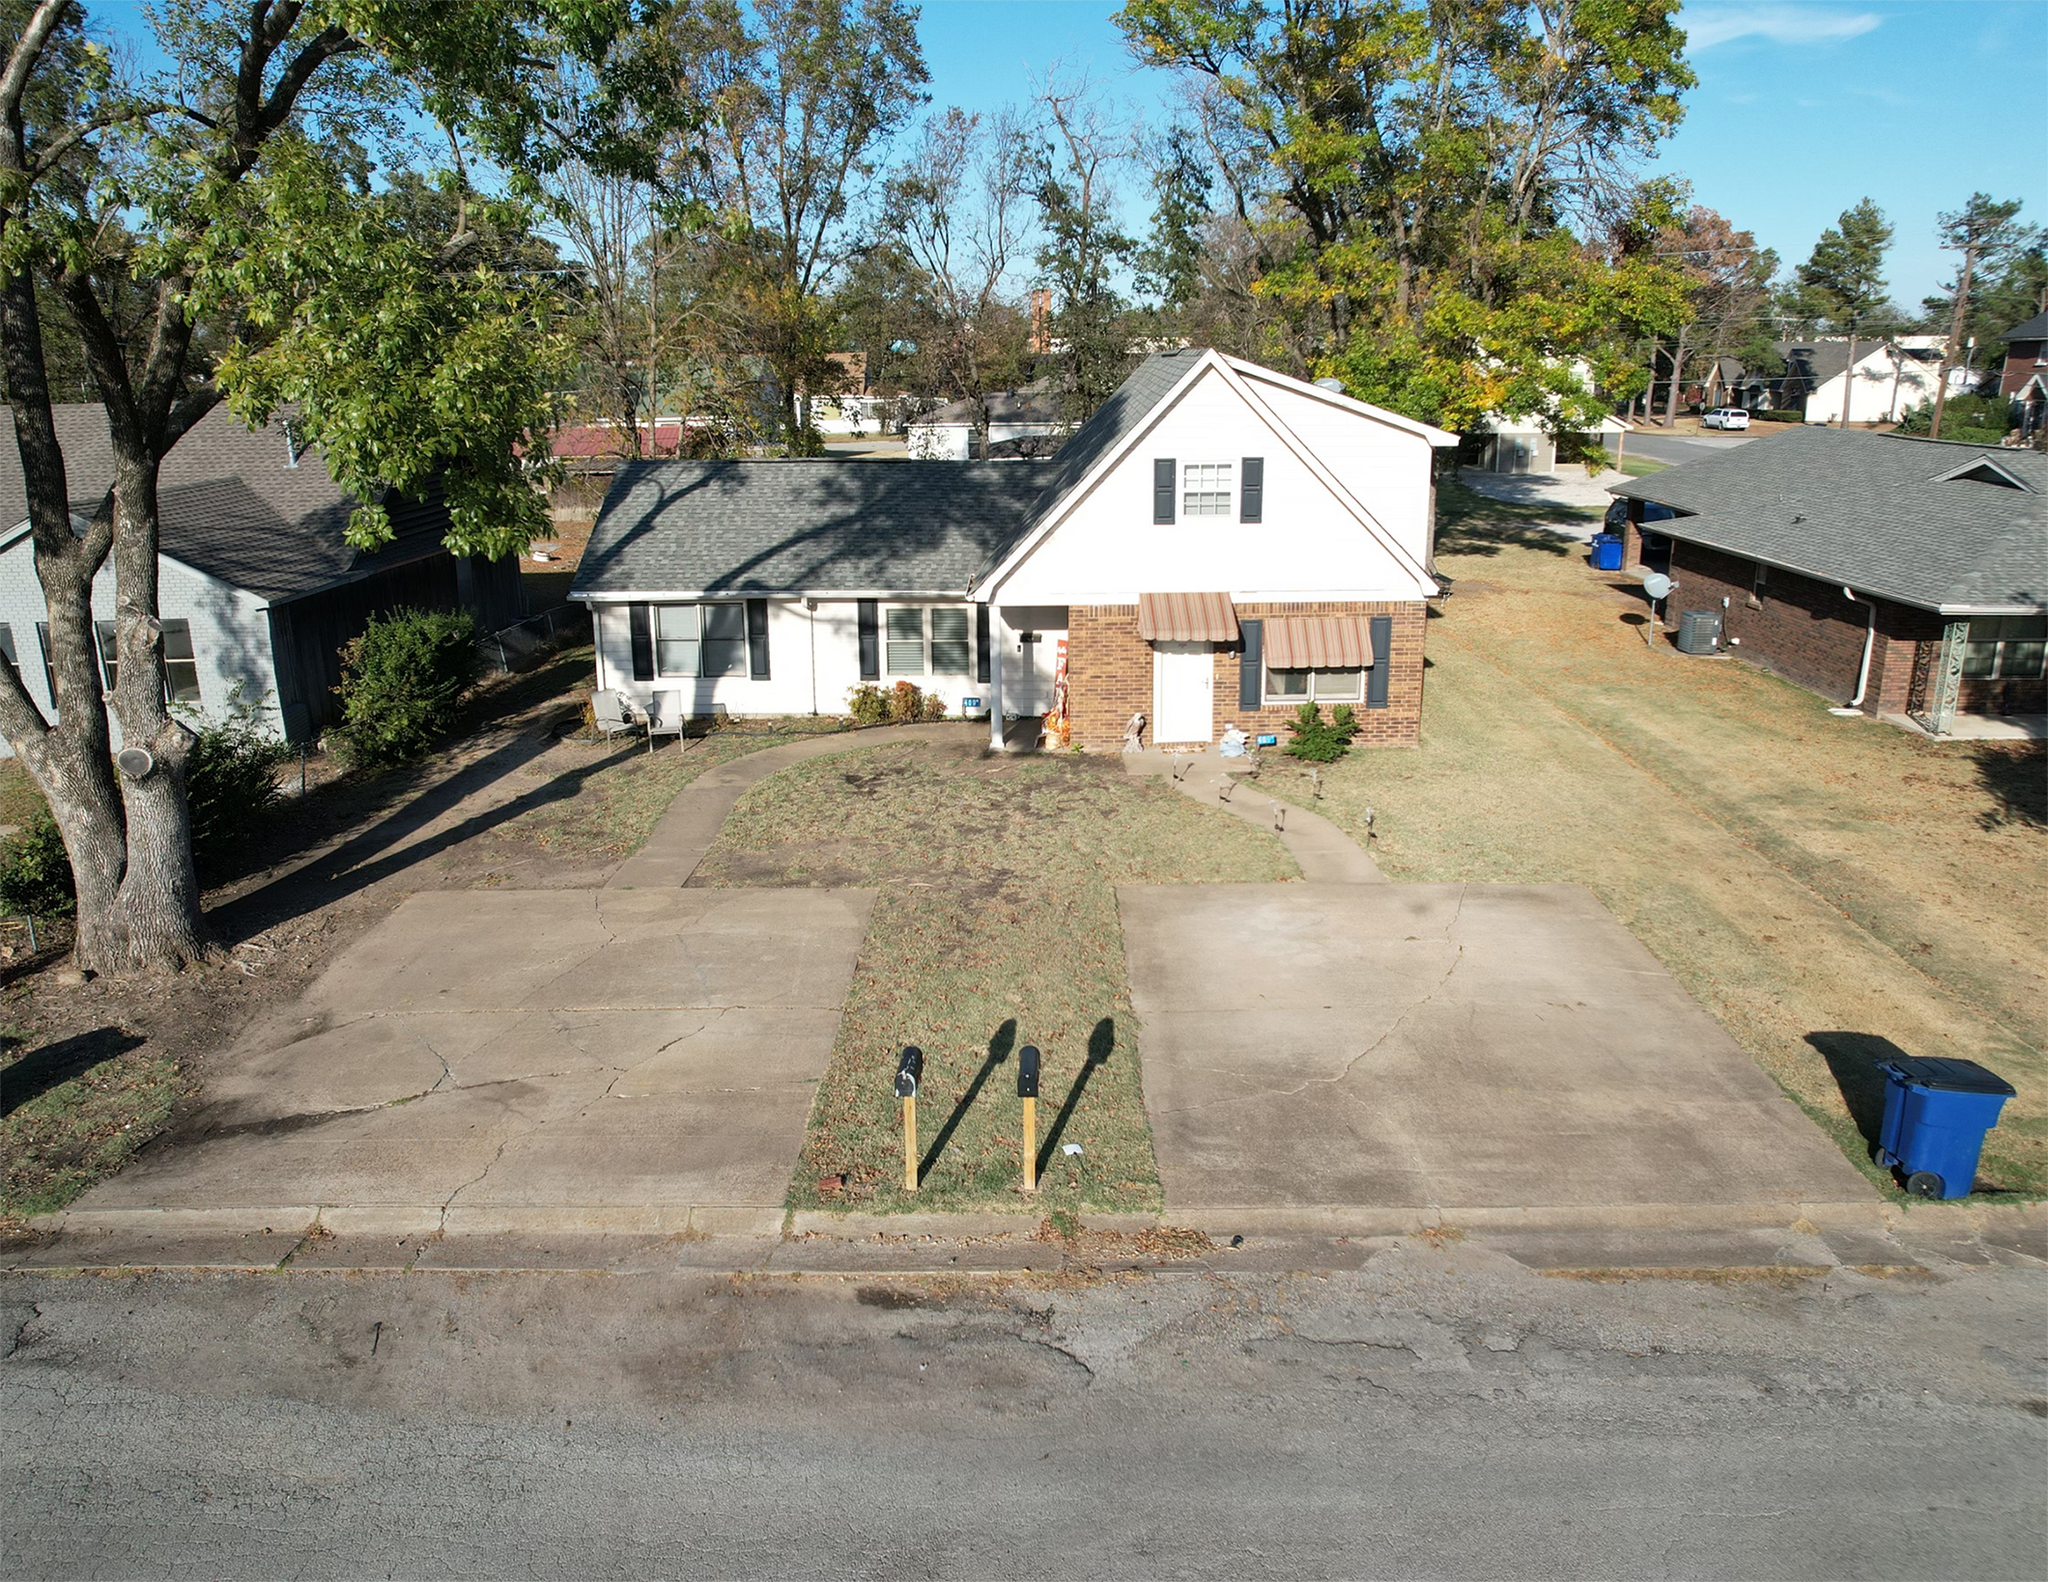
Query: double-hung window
(1315,686)
(181,663)
(938,641)
(678,631)
(1205,488)
(2006,647)
(700,639)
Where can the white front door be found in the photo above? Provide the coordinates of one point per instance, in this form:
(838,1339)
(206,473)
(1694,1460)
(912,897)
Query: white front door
(1183,692)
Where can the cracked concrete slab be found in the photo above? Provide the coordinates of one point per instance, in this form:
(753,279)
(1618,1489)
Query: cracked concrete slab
(640,1060)
(1437,1047)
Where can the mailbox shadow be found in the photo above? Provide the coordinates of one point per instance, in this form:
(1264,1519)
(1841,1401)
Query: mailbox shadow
(1853,1059)
(998,1051)
(1101,1042)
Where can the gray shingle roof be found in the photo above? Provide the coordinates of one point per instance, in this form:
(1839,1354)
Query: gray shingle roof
(230,506)
(1107,427)
(826,527)
(804,527)
(2035,329)
(1867,510)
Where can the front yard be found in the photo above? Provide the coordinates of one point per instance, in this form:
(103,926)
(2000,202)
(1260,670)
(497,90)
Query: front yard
(1833,890)
(995,926)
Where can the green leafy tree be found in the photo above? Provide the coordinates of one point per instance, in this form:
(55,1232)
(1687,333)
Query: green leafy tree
(1428,182)
(1986,232)
(1843,279)
(1088,144)
(230,193)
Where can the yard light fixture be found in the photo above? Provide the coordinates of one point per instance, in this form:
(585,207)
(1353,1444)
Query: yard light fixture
(909,1069)
(1027,1090)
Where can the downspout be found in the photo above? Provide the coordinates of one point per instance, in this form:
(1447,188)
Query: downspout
(1855,705)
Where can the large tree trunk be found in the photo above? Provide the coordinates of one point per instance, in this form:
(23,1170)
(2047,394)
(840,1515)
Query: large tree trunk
(1677,376)
(159,891)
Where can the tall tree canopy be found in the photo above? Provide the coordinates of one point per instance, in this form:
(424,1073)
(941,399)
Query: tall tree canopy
(1432,176)
(1842,281)
(213,234)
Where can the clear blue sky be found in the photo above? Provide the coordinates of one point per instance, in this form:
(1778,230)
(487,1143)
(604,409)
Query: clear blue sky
(1801,109)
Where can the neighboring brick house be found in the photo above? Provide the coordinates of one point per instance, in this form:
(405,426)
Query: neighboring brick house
(2024,379)
(1215,545)
(1899,576)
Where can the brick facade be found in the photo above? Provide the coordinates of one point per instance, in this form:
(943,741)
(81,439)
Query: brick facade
(1802,629)
(1109,675)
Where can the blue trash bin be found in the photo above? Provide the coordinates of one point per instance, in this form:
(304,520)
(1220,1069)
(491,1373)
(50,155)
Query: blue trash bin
(1936,1113)
(1606,552)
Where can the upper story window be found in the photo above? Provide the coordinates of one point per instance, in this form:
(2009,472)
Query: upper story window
(1205,488)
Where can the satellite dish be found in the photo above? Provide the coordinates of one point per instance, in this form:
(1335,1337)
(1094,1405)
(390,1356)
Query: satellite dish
(135,762)
(1656,585)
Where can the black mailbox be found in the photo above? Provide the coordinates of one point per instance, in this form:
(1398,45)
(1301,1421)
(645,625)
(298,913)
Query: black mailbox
(909,1067)
(1027,1072)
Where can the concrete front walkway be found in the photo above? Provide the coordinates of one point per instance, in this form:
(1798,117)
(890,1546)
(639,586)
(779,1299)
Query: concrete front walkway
(504,1062)
(1443,1048)
(1324,853)
(699,811)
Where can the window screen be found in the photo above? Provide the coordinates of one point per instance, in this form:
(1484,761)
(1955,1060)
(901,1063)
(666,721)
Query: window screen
(950,648)
(181,664)
(906,642)
(1205,488)
(1323,686)
(725,639)
(675,639)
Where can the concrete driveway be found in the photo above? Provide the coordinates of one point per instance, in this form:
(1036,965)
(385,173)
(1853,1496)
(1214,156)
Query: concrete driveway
(519,1062)
(1389,1050)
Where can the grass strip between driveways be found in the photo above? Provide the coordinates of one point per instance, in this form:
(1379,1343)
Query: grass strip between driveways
(995,926)
(1835,891)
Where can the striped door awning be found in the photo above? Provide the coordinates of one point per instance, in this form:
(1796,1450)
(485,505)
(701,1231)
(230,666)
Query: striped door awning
(1329,642)
(1186,618)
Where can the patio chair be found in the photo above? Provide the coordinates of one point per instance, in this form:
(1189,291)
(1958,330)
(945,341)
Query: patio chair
(666,716)
(609,711)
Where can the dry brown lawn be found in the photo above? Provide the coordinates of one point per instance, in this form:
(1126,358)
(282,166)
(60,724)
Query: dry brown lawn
(1834,890)
(995,926)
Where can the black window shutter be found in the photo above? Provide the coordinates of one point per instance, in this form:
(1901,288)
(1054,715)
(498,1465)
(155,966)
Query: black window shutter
(1376,678)
(1162,489)
(870,640)
(757,639)
(1251,499)
(981,640)
(1251,678)
(640,621)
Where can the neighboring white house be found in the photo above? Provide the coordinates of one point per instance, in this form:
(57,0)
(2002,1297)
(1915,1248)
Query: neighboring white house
(1890,379)
(1016,419)
(257,588)
(1524,445)
(1217,544)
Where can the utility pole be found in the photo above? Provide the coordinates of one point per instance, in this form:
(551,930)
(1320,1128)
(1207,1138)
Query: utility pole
(1955,333)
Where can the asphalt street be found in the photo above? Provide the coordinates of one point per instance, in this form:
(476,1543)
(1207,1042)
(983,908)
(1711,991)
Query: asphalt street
(1442,1411)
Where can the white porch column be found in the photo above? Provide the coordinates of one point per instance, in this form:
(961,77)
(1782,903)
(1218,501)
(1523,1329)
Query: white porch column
(995,680)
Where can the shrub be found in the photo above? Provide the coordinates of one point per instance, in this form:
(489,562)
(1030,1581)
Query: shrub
(401,681)
(230,783)
(35,870)
(1320,741)
(1778,415)
(1973,419)
(867,703)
